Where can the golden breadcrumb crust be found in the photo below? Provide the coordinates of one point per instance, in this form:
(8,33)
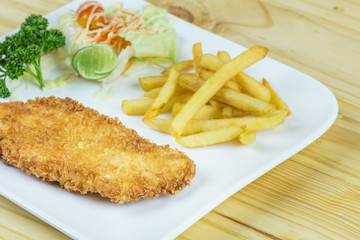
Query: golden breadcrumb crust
(61,140)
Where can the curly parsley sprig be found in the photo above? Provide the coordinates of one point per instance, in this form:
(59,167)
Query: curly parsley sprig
(22,51)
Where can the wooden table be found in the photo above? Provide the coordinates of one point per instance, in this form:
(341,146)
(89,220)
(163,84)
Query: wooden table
(313,195)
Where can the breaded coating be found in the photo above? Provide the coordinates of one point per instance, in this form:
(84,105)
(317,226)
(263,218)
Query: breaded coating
(61,140)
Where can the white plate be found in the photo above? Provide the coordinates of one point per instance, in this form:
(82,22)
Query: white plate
(222,170)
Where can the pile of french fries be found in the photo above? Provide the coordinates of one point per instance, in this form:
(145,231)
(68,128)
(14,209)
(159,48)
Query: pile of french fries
(211,99)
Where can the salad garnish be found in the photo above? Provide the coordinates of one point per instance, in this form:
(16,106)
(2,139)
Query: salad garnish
(132,35)
(145,34)
(21,52)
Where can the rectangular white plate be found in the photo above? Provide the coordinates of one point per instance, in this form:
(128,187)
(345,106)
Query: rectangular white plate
(222,170)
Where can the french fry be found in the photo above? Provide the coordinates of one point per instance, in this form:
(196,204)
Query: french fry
(231,84)
(148,83)
(215,103)
(205,112)
(141,106)
(197,53)
(214,63)
(190,81)
(180,91)
(213,84)
(243,101)
(227,96)
(251,123)
(226,111)
(224,56)
(153,93)
(182,98)
(136,106)
(211,62)
(180,67)
(247,137)
(239,113)
(210,137)
(276,99)
(159,124)
(176,108)
(166,92)
(253,87)
(206,74)
(235,112)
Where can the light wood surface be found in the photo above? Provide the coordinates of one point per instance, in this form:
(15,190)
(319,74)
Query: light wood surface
(316,193)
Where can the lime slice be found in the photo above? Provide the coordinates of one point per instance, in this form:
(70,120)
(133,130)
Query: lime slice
(94,62)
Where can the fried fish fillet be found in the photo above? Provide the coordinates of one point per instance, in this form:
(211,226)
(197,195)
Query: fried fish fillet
(61,140)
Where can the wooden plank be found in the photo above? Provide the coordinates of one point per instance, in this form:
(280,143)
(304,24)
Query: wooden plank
(215,225)
(343,13)
(293,201)
(315,193)
(17,10)
(16,223)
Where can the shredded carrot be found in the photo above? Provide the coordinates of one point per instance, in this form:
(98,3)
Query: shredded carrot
(107,41)
(114,27)
(101,35)
(168,58)
(76,37)
(155,63)
(68,77)
(131,29)
(115,44)
(119,45)
(121,6)
(123,11)
(76,26)
(127,68)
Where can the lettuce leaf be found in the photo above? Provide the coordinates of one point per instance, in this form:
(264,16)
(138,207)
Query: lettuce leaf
(156,45)
(162,44)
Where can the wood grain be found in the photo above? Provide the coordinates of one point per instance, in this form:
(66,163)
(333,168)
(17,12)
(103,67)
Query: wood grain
(316,193)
